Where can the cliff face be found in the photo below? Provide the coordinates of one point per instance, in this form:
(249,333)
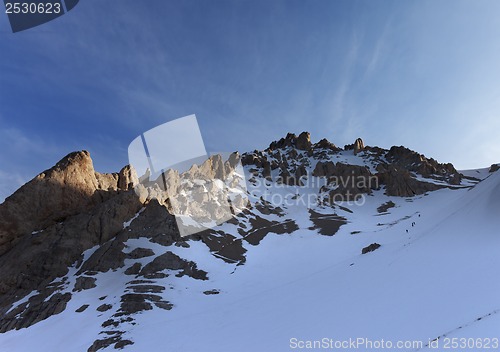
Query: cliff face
(70,187)
(47,224)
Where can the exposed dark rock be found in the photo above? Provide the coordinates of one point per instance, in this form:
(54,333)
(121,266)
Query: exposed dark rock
(132,303)
(157,224)
(164,239)
(261,227)
(211,292)
(224,246)
(266,169)
(288,141)
(122,343)
(48,223)
(494,167)
(134,269)
(104,307)
(110,322)
(140,253)
(326,224)
(398,182)
(84,283)
(404,158)
(82,308)
(147,289)
(303,142)
(172,261)
(106,342)
(108,256)
(386,206)
(256,158)
(352,182)
(266,208)
(164,305)
(182,244)
(139,282)
(155,276)
(324,169)
(62,245)
(300,172)
(325,144)
(370,248)
(38,309)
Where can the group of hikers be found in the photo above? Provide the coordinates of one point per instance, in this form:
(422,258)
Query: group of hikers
(413,224)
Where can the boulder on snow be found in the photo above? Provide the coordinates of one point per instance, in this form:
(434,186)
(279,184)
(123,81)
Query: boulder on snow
(370,248)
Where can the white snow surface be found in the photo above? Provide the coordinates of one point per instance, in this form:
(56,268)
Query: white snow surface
(438,278)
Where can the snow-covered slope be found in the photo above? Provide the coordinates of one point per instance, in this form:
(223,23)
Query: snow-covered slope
(302,284)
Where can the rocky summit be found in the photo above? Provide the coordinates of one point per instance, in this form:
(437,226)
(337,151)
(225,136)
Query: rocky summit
(97,261)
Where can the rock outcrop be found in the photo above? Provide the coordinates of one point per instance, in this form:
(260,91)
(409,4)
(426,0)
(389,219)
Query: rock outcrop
(351,181)
(399,182)
(302,142)
(324,169)
(370,248)
(70,187)
(411,161)
(49,222)
(358,146)
(325,144)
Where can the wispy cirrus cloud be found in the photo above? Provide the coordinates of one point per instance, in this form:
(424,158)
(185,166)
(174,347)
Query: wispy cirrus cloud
(394,73)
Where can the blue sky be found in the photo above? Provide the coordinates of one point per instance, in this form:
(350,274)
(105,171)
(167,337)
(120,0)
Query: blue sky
(424,74)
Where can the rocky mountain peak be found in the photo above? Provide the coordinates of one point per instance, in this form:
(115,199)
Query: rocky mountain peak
(397,169)
(70,187)
(302,142)
(326,144)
